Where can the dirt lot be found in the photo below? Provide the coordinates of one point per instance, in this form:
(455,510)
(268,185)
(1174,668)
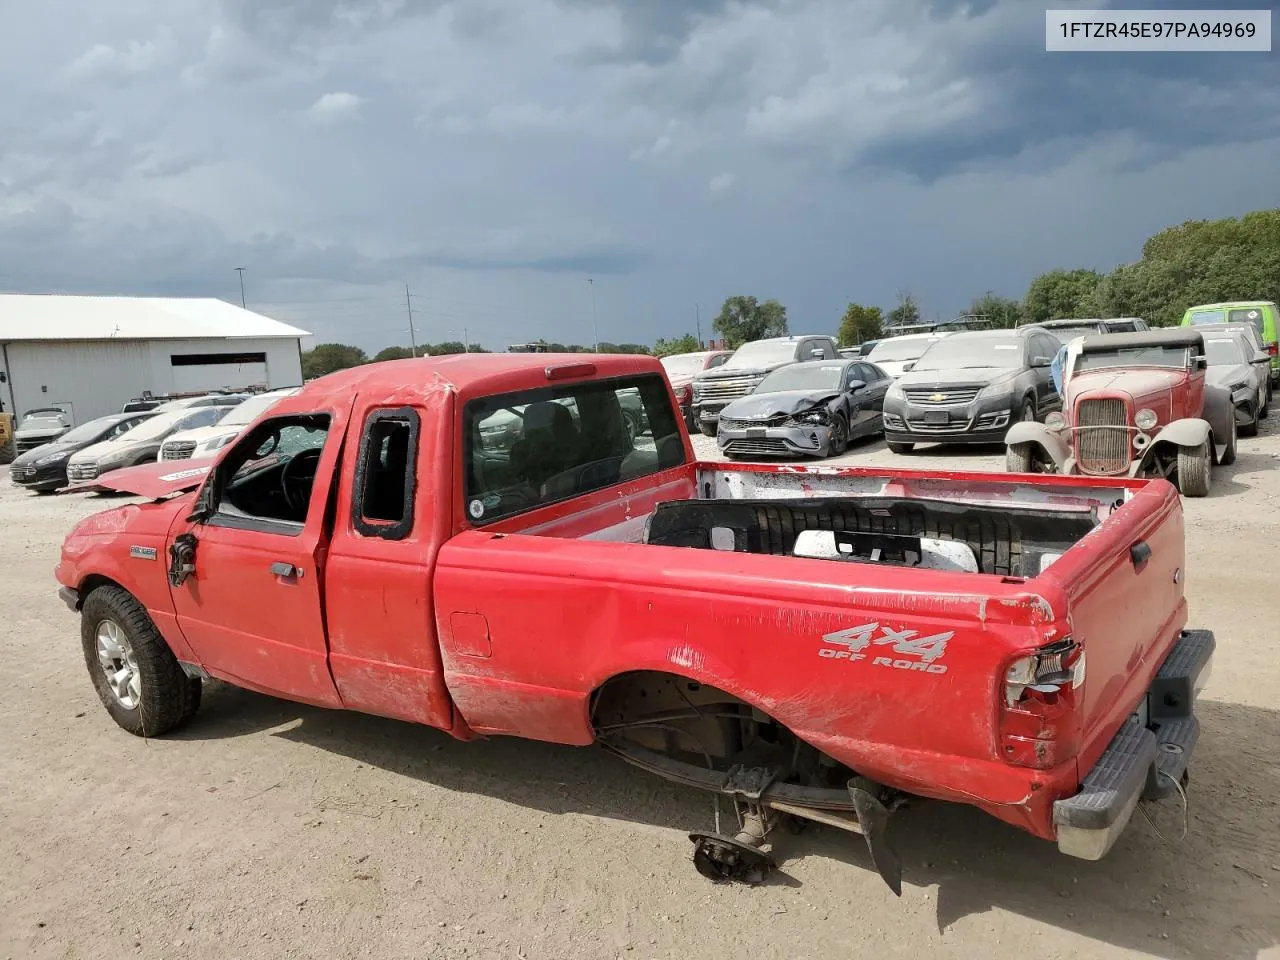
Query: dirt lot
(267,829)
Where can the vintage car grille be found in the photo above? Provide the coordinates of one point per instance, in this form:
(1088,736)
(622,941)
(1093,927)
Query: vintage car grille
(82,471)
(1102,436)
(758,448)
(728,388)
(180,450)
(927,396)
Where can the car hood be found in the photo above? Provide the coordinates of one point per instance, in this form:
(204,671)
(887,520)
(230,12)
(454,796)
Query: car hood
(892,367)
(1136,383)
(35,433)
(973,376)
(108,448)
(29,457)
(762,406)
(1226,374)
(158,480)
(725,373)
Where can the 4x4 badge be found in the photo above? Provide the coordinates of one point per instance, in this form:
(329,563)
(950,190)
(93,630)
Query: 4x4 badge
(912,651)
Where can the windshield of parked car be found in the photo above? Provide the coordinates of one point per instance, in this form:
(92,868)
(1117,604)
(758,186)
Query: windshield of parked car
(963,351)
(1247,315)
(155,428)
(684,364)
(250,410)
(1224,351)
(900,349)
(1201,317)
(762,353)
(803,376)
(88,431)
(42,420)
(1155,356)
(1065,331)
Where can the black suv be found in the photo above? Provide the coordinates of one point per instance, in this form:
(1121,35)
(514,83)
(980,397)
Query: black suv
(713,389)
(969,387)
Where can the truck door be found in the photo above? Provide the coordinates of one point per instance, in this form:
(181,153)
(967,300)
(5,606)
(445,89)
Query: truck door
(245,574)
(390,520)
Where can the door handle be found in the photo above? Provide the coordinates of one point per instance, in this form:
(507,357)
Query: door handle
(282,568)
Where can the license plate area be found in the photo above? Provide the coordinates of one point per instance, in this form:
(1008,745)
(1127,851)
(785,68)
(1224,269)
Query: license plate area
(756,433)
(937,417)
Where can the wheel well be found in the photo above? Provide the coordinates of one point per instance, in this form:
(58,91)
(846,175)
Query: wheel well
(685,719)
(92,582)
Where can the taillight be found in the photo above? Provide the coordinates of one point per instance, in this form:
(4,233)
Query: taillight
(685,394)
(1039,723)
(1273,349)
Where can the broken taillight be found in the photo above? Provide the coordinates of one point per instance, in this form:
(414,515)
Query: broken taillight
(1039,724)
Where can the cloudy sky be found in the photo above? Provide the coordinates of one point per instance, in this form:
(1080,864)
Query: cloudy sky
(494,154)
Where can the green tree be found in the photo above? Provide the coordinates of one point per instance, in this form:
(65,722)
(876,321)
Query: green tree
(392,353)
(1005,312)
(327,357)
(605,347)
(860,324)
(667,348)
(1060,294)
(448,348)
(743,319)
(905,313)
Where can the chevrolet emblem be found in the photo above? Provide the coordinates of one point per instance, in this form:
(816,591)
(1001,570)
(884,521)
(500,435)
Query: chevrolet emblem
(938,397)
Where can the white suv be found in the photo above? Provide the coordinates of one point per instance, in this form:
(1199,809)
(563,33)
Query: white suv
(206,441)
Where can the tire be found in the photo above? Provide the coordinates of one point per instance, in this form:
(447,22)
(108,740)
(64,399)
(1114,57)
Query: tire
(633,427)
(1250,429)
(117,635)
(904,448)
(1028,412)
(1021,458)
(1265,407)
(705,429)
(839,437)
(1229,454)
(1194,470)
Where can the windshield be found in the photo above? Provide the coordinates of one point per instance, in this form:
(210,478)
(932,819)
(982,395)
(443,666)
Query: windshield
(684,365)
(1200,317)
(41,421)
(1174,358)
(1066,330)
(249,411)
(87,431)
(898,350)
(153,429)
(1224,351)
(803,376)
(762,353)
(1250,315)
(963,352)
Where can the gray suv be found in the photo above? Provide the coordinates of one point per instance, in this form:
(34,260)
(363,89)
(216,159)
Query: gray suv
(741,373)
(969,387)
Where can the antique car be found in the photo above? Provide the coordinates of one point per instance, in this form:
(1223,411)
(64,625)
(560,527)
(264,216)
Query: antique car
(809,409)
(1138,405)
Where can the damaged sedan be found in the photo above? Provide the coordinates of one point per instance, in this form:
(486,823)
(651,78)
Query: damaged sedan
(806,409)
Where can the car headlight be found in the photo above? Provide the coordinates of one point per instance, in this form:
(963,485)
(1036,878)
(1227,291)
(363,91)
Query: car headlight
(816,415)
(1145,419)
(1055,420)
(53,458)
(217,443)
(895,391)
(996,390)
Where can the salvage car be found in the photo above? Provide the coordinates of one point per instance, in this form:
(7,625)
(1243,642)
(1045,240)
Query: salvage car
(970,386)
(750,364)
(139,444)
(201,442)
(40,426)
(44,469)
(681,368)
(813,642)
(812,409)
(1138,405)
(1256,348)
(1263,315)
(1242,371)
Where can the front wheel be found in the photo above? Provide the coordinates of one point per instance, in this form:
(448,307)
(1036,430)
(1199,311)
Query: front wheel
(136,675)
(1028,414)
(895,447)
(1194,469)
(1021,458)
(707,429)
(839,441)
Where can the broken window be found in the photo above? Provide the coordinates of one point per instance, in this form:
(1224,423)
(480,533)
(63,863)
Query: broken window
(264,482)
(527,449)
(386,474)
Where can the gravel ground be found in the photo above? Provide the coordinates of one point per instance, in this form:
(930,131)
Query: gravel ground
(268,829)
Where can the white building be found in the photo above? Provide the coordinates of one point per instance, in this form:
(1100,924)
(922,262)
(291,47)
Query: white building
(90,355)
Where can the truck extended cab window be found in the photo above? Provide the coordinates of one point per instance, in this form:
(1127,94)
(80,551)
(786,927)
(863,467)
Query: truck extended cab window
(385,474)
(528,449)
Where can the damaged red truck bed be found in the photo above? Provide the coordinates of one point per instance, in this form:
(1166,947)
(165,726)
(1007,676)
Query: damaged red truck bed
(480,544)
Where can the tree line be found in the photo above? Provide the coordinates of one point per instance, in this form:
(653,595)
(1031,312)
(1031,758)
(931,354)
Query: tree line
(1199,261)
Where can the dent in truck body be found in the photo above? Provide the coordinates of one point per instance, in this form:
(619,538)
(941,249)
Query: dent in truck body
(516,628)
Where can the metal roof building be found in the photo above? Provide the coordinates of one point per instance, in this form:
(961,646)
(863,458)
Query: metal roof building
(89,355)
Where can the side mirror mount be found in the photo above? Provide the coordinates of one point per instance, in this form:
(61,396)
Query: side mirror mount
(1041,362)
(1199,362)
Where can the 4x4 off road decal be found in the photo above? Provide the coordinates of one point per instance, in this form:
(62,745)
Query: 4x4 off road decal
(911,651)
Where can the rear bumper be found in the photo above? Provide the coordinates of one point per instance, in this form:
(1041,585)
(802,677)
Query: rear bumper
(1145,760)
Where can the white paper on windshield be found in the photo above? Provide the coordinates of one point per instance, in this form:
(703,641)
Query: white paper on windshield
(1007,346)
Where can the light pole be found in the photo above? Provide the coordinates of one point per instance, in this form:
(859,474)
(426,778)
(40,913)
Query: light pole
(595,330)
(240,270)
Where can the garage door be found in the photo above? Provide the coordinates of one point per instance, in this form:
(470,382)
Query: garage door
(217,371)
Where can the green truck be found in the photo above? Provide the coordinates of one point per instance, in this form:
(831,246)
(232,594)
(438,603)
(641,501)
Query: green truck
(1262,314)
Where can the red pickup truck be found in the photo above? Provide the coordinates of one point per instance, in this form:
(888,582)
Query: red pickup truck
(808,642)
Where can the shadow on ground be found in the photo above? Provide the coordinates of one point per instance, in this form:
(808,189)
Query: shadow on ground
(1148,894)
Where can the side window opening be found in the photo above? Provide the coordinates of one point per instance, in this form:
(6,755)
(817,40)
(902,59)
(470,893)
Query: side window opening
(386,474)
(265,481)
